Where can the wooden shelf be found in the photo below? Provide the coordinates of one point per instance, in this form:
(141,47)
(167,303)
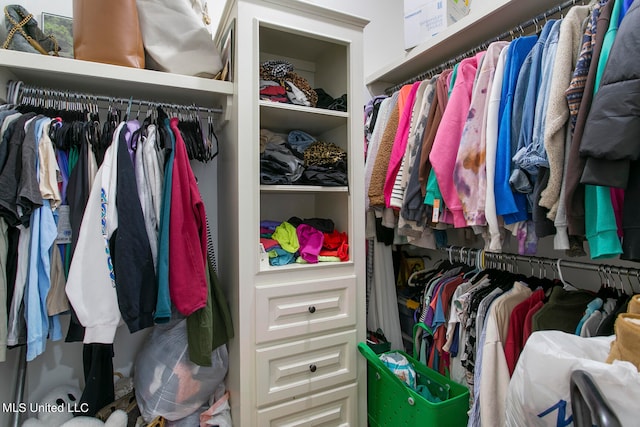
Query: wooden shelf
(484,21)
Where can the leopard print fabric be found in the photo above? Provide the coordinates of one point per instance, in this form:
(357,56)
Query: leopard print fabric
(323,154)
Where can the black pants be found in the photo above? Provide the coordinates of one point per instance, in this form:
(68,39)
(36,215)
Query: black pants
(98,377)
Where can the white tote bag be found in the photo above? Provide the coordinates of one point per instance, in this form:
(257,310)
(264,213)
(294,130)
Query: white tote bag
(539,392)
(176,37)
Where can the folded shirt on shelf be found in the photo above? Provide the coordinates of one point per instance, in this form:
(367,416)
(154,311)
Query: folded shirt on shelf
(307,241)
(299,158)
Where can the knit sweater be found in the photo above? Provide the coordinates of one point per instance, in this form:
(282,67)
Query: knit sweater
(557,115)
(384,113)
(381,164)
(574,196)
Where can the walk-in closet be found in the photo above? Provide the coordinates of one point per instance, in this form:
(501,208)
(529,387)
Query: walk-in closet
(319,213)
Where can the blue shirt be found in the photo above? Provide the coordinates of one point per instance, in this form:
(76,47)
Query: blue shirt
(530,78)
(43,235)
(532,154)
(512,207)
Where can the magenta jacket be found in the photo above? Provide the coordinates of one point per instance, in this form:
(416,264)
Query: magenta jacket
(187,235)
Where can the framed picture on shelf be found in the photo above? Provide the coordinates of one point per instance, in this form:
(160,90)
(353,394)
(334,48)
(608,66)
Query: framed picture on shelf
(226,55)
(60,27)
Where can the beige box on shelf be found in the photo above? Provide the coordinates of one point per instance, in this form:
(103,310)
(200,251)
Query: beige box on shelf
(424,19)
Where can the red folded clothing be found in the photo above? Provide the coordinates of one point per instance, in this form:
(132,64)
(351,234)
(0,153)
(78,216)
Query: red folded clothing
(335,244)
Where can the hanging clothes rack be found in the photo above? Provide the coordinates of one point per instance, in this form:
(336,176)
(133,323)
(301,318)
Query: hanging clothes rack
(471,256)
(516,31)
(19,92)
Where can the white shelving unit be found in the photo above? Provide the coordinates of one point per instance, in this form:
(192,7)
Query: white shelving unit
(297,326)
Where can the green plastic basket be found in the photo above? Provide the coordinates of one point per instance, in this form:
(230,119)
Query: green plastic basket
(390,403)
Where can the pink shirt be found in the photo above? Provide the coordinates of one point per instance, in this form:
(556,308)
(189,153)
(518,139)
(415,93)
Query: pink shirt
(399,144)
(447,142)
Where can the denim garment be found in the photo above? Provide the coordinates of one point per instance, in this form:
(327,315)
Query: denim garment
(300,140)
(527,90)
(532,156)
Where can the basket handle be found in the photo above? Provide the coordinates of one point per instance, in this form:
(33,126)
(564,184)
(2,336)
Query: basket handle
(375,360)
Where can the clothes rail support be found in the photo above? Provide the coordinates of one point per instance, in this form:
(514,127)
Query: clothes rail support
(478,256)
(19,92)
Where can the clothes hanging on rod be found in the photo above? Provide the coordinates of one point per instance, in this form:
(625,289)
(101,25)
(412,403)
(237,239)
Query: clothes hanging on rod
(480,309)
(62,171)
(200,135)
(517,31)
(499,154)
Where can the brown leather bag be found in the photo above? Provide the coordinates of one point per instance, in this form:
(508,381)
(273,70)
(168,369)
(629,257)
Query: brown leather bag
(107,31)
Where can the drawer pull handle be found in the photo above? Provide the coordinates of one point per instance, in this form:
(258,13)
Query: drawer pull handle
(312,309)
(313,368)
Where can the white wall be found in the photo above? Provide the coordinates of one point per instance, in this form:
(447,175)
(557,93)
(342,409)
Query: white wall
(383,36)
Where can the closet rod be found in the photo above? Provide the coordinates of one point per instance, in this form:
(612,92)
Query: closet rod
(516,30)
(464,253)
(17,90)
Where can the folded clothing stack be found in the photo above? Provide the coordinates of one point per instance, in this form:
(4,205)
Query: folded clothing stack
(279,83)
(299,158)
(303,241)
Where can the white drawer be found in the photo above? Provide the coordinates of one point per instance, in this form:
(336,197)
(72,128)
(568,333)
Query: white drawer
(335,407)
(287,311)
(291,370)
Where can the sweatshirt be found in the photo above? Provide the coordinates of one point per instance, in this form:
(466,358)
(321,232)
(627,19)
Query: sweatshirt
(447,140)
(91,282)
(470,173)
(491,136)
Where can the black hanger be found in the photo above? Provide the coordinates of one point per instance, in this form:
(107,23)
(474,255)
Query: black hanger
(163,136)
